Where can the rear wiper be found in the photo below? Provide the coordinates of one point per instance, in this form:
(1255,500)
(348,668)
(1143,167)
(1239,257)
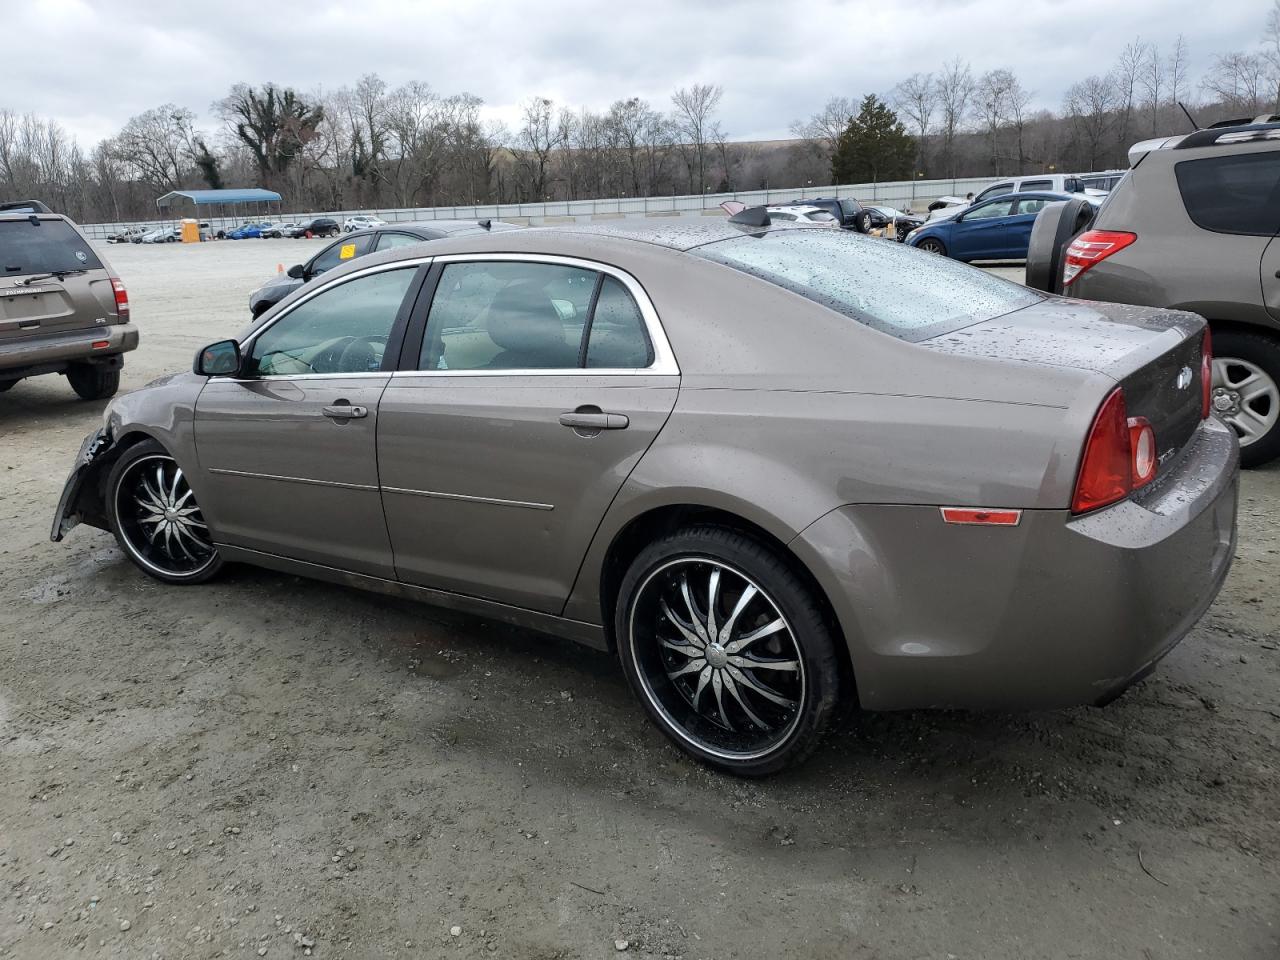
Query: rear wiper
(51,275)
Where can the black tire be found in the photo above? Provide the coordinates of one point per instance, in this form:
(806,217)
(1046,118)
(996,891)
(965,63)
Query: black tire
(7,385)
(92,381)
(162,560)
(805,640)
(334,232)
(1262,352)
(932,245)
(862,222)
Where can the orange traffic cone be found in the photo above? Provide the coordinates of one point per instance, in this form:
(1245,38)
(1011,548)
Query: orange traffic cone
(279,268)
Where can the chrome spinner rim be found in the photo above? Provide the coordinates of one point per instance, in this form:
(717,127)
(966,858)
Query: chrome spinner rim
(160,522)
(716,658)
(1246,397)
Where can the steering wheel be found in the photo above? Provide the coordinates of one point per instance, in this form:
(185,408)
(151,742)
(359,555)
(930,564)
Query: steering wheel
(359,355)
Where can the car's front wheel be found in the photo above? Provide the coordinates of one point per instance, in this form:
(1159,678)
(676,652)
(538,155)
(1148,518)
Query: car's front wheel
(728,650)
(1246,392)
(155,517)
(93,381)
(931,245)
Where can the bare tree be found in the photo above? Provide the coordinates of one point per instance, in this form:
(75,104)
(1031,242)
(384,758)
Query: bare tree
(1090,106)
(1126,75)
(917,98)
(823,129)
(1239,81)
(1017,112)
(1271,52)
(1179,68)
(694,120)
(537,139)
(990,101)
(156,146)
(1152,78)
(955,88)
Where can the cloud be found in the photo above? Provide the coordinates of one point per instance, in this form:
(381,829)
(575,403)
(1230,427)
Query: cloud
(92,66)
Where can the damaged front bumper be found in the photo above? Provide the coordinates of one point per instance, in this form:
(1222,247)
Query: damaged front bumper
(70,511)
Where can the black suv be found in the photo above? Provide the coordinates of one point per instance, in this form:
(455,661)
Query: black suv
(357,245)
(319,227)
(850,212)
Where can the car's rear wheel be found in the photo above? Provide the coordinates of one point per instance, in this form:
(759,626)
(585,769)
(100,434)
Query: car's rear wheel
(1246,392)
(930,245)
(728,650)
(92,381)
(155,517)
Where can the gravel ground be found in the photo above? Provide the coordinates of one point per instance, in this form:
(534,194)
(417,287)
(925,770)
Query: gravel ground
(267,766)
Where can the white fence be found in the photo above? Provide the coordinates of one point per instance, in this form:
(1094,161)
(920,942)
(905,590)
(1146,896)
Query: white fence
(900,193)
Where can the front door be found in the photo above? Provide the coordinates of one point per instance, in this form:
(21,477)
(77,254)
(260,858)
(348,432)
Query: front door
(1270,268)
(980,232)
(287,448)
(539,385)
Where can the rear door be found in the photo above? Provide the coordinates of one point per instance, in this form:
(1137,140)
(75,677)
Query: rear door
(1017,236)
(32,247)
(539,384)
(979,233)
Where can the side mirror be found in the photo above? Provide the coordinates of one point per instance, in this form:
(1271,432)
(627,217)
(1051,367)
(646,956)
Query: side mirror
(298,272)
(221,359)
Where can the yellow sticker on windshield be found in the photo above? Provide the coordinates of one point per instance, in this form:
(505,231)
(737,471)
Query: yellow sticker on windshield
(347,252)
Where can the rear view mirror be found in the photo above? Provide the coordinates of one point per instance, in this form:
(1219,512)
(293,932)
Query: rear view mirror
(298,272)
(219,359)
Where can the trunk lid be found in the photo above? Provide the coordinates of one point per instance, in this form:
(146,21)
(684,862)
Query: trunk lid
(1153,354)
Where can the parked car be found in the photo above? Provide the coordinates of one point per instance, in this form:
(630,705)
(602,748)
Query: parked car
(851,213)
(1192,226)
(317,227)
(803,214)
(253,230)
(62,308)
(357,245)
(361,222)
(128,235)
(597,430)
(1039,183)
(279,230)
(998,228)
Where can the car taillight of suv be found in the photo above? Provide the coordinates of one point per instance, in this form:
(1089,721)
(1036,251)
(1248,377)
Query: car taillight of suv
(1092,247)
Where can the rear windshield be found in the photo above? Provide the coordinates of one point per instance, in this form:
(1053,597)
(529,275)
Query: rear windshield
(1233,194)
(895,289)
(45,246)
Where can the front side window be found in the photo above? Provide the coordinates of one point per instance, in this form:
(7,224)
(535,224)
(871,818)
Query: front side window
(342,330)
(339,253)
(997,208)
(850,207)
(995,190)
(506,315)
(887,286)
(1233,194)
(388,240)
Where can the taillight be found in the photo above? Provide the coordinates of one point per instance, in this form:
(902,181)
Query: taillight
(1142,441)
(1091,247)
(1206,376)
(1120,455)
(122,298)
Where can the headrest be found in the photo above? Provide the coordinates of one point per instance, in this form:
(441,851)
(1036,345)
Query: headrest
(523,319)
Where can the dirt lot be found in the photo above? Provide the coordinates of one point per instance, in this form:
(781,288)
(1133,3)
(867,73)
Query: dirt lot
(245,768)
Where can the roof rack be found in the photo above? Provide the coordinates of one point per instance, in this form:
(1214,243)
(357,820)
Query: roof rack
(1233,131)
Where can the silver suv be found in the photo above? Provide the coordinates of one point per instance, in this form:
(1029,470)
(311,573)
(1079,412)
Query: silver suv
(62,308)
(1194,225)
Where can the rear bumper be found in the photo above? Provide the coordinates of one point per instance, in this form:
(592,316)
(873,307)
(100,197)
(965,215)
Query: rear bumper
(74,346)
(1056,611)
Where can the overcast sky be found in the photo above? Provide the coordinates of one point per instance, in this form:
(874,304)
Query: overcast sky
(93,65)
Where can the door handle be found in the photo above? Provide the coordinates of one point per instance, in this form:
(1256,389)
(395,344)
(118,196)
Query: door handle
(595,421)
(345,411)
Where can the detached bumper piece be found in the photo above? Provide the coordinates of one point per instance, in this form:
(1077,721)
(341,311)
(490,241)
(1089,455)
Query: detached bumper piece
(68,517)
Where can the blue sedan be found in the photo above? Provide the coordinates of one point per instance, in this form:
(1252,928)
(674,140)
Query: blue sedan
(998,228)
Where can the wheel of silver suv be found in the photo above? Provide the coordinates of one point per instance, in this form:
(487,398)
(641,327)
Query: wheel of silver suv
(156,519)
(728,651)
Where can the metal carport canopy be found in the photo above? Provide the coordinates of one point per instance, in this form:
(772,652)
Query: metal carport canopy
(206,197)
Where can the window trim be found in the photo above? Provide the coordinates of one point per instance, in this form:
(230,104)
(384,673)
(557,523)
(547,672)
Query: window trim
(398,325)
(664,359)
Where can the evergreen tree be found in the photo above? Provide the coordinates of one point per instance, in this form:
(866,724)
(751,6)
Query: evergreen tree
(874,146)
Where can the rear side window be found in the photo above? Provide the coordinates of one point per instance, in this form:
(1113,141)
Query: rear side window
(45,246)
(894,289)
(342,251)
(1233,194)
(1027,185)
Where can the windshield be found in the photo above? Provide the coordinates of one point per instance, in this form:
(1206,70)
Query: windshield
(897,290)
(45,246)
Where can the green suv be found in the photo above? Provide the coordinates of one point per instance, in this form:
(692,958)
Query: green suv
(62,309)
(1193,225)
